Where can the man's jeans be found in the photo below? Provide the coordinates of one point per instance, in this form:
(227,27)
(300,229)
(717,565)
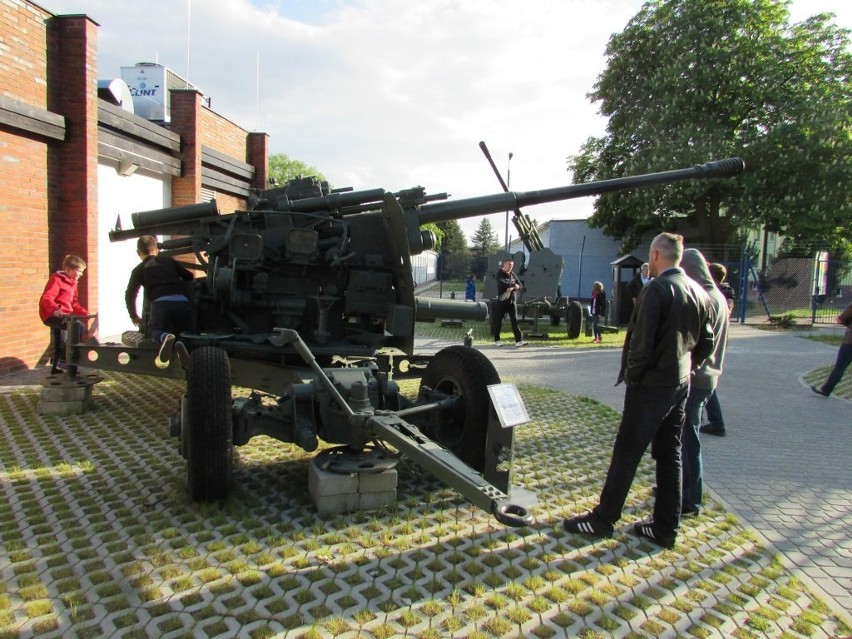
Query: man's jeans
(844,358)
(169,316)
(650,415)
(693,483)
(714,411)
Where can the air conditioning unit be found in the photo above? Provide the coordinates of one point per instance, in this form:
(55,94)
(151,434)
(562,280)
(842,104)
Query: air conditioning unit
(149,85)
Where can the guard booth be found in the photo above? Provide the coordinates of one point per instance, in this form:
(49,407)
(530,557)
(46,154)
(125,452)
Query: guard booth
(624,269)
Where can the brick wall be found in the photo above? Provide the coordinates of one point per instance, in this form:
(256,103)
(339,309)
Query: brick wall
(198,126)
(185,109)
(23,242)
(258,156)
(72,92)
(24,188)
(221,135)
(23,74)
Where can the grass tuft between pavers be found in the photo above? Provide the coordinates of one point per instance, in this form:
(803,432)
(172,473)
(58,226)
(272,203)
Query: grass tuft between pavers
(99,535)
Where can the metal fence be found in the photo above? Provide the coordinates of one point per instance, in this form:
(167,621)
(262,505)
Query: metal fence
(813,287)
(832,290)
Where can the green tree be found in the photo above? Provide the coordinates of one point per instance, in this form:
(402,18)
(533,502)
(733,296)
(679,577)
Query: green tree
(282,169)
(484,240)
(454,241)
(439,234)
(455,257)
(692,80)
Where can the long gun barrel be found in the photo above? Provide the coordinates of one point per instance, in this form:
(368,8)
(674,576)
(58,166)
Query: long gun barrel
(419,209)
(487,204)
(524,225)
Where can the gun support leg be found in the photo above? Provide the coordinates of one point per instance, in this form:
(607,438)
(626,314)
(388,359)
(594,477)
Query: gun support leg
(448,468)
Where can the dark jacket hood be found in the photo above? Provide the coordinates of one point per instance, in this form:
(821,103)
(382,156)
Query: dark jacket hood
(695,266)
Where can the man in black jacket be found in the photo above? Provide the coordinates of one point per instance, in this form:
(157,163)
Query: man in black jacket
(165,282)
(639,281)
(669,335)
(507,285)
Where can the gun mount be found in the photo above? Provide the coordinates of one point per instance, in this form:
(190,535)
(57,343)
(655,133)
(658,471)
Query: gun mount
(307,298)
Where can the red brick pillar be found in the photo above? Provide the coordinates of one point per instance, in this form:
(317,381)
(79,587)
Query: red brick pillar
(185,109)
(258,157)
(73,165)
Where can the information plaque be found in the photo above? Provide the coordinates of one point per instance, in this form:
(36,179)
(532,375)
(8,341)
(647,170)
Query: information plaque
(508,405)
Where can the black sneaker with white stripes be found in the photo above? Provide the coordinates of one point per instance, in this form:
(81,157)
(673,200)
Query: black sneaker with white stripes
(647,530)
(589,524)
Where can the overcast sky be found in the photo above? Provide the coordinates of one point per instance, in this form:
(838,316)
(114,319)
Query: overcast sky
(393,93)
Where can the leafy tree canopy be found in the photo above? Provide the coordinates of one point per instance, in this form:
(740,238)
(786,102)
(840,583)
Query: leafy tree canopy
(688,81)
(282,169)
(439,234)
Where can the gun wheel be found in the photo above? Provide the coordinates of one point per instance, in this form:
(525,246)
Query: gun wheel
(464,373)
(208,444)
(574,319)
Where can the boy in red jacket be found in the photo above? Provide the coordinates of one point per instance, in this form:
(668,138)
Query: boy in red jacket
(58,300)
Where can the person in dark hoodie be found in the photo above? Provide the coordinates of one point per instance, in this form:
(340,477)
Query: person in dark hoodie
(703,383)
(164,281)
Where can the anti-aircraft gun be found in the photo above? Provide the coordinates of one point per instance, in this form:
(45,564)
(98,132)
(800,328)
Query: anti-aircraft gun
(540,271)
(307,299)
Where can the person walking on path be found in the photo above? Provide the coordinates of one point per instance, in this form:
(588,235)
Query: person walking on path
(703,383)
(164,281)
(597,310)
(844,355)
(668,336)
(507,285)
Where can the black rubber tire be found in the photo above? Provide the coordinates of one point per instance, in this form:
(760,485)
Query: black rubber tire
(574,319)
(466,372)
(209,434)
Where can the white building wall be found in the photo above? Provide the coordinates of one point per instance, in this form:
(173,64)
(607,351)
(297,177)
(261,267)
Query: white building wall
(424,267)
(118,197)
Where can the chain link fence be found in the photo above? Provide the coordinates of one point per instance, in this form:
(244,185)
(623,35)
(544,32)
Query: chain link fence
(812,287)
(832,290)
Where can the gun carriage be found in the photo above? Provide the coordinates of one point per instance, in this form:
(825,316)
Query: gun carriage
(307,299)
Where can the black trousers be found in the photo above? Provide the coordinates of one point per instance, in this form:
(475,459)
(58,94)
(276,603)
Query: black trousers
(57,326)
(169,316)
(651,416)
(498,312)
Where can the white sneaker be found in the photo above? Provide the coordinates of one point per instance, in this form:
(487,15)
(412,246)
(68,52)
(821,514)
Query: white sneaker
(498,343)
(166,346)
(521,343)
